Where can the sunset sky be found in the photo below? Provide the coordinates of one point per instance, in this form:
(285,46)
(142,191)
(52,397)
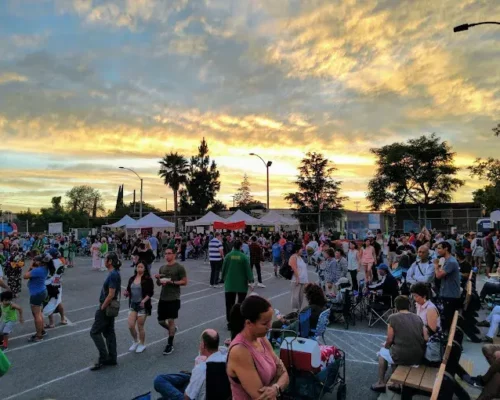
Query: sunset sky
(87,86)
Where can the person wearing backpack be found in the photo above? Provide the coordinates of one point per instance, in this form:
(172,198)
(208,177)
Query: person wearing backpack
(477,252)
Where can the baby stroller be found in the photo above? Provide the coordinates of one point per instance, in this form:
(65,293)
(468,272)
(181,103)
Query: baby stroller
(308,385)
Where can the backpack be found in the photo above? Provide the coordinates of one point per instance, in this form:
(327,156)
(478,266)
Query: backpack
(286,271)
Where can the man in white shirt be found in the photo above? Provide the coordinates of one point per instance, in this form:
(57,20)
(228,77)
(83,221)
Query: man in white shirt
(421,270)
(184,386)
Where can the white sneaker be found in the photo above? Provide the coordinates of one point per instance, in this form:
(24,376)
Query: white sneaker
(140,348)
(220,286)
(261,285)
(134,346)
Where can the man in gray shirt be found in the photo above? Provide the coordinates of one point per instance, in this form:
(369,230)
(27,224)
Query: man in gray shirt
(449,274)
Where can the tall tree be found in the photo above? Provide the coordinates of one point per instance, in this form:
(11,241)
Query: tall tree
(243,196)
(174,169)
(119,198)
(203,180)
(496,130)
(85,199)
(420,171)
(317,190)
(489,196)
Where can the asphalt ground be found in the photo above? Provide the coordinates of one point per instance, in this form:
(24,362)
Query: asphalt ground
(58,367)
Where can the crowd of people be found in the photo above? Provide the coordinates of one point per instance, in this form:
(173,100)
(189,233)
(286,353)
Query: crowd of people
(421,273)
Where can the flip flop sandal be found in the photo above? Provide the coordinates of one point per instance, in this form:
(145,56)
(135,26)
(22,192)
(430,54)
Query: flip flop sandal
(378,389)
(395,388)
(47,326)
(63,323)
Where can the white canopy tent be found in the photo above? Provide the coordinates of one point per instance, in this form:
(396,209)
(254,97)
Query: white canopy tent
(241,216)
(206,220)
(272,218)
(150,221)
(126,220)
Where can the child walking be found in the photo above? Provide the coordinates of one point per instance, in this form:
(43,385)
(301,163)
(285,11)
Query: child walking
(9,318)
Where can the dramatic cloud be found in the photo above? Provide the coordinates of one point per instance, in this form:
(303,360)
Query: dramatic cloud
(115,82)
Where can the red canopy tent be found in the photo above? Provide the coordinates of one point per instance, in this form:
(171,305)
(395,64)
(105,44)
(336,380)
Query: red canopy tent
(230,226)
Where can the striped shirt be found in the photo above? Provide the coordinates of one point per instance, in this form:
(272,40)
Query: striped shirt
(213,250)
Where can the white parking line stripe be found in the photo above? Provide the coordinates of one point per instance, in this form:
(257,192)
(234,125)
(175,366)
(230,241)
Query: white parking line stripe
(60,378)
(358,342)
(357,333)
(352,347)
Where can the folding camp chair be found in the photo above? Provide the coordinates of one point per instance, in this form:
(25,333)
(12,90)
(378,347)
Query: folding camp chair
(304,323)
(323,320)
(379,309)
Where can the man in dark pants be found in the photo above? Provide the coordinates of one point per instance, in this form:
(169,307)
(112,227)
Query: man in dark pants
(447,271)
(489,252)
(215,255)
(237,277)
(104,326)
(255,259)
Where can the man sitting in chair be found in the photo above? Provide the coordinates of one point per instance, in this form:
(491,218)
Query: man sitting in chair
(185,386)
(387,285)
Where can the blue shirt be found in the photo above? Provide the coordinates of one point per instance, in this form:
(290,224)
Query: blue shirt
(245,248)
(288,250)
(36,284)
(213,250)
(154,242)
(113,281)
(276,250)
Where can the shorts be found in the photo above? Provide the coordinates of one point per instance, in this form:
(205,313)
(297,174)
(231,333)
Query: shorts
(6,327)
(38,299)
(136,307)
(386,355)
(277,260)
(168,309)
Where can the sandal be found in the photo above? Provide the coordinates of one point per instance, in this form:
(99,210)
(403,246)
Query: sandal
(48,326)
(395,388)
(64,322)
(35,339)
(378,389)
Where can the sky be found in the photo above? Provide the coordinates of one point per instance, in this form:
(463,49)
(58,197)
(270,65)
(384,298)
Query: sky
(87,86)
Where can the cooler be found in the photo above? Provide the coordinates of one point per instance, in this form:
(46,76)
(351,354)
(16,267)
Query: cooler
(302,354)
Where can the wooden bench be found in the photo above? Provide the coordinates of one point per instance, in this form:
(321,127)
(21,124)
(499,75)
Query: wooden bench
(424,379)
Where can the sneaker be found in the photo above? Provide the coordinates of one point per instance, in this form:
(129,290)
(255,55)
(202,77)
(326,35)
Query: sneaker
(220,286)
(176,328)
(261,285)
(212,286)
(3,348)
(168,349)
(140,348)
(484,323)
(487,339)
(134,346)
(35,339)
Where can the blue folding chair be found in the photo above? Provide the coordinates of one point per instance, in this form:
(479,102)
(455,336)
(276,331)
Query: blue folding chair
(304,323)
(323,320)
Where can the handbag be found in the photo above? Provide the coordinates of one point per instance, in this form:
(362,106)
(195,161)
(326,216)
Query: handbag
(4,364)
(113,309)
(286,271)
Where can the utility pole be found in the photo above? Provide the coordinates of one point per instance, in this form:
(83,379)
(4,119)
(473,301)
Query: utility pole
(357,205)
(3,229)
(134,201)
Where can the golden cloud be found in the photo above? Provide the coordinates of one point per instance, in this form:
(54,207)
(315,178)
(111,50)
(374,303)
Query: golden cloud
(8,77)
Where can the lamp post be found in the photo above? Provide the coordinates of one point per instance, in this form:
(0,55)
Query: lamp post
(131,170)
(267,164)
(465,27)
(166,203)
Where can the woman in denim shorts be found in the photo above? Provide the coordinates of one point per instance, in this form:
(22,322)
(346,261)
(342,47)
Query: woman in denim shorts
(37,274)
(140,289)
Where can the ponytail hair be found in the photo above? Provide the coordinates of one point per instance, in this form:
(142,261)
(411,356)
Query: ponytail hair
(250,310)
(115,261)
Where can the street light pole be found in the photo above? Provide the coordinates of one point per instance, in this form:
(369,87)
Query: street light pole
(166,203)
(267,164)
(131,170)
(465,27)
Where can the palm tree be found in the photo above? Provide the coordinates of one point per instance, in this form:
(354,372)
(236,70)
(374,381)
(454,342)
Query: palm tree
(174,169)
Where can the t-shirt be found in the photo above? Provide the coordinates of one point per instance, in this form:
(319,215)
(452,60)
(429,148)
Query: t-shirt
(154,242)
(213,250)
(196,390)
(288,250)
(176,272)
(276,250)
(450,284)
(408,347)
(36,284)
(113,281)
(9,314)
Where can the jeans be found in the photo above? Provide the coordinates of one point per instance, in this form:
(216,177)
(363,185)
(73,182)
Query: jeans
(494,320)
(216,267)
(231,299)
(172,386)
(488,289)
(104,326)
(354,279)
(450,305)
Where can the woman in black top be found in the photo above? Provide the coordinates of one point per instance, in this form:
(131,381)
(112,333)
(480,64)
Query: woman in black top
(140,289)
(392,245)
(146,255)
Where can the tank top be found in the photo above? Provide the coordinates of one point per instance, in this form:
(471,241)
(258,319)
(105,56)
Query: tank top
(8,313)
(367,256)
(263,361)
(302,270)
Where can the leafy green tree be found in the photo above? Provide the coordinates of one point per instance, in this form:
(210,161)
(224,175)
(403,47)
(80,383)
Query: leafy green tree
(217,206)
(85,199)
(420,171)
(496,130)
(174,169)
(317,191)
(489,196)
(243,196)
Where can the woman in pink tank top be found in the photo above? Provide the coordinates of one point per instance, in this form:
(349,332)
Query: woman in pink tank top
(368,259)
(253,368)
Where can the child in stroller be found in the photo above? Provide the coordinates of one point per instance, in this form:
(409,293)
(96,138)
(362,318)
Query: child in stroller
(340,303)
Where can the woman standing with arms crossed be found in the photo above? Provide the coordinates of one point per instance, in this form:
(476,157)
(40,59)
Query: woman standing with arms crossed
(368,258)
(300,278)
(353,263)
(104,325)
(140,289)
(96,257)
